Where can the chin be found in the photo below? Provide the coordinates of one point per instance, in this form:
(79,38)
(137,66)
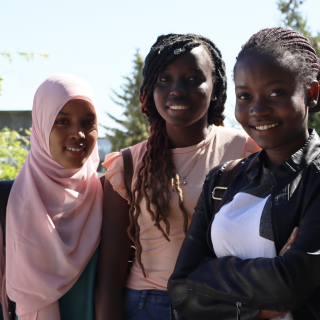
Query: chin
(73,165)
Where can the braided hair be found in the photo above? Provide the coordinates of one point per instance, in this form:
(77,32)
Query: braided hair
(290,48)
(157,165)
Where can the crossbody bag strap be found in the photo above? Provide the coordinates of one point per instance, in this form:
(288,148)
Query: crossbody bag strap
(229,172)
(128,174)
(128,169)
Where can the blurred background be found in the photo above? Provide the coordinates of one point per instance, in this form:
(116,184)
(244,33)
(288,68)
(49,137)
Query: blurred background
(105,43)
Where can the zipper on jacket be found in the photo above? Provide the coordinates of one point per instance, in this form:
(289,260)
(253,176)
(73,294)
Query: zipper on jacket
(238,304)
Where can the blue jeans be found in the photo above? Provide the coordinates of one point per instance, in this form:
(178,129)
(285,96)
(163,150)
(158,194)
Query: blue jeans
(148,305)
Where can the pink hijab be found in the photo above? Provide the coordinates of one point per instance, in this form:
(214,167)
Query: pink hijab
(54,214)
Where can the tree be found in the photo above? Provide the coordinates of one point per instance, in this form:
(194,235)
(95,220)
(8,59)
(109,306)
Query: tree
(292,18)
(13,146)
(26,56)
(135,124)
(13,153)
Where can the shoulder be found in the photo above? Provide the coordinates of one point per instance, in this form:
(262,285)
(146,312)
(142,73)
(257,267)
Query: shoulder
(114,159)
(138,151)
(115,167)
(220,168)
(235,141)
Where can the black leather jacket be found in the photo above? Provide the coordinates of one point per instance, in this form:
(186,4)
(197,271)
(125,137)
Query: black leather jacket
(203,286)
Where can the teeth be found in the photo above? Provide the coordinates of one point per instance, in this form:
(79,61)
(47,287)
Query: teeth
(178,107)
(73,149)
(266,127)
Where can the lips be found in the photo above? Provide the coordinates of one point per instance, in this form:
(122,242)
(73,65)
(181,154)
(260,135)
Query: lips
(177,107)
(265,127)
(75,149)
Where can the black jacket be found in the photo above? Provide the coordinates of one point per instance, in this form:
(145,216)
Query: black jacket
(203,286)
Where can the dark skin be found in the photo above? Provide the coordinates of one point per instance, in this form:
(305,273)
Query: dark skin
(74,134)
(187,83)
(272,108)
(267,94)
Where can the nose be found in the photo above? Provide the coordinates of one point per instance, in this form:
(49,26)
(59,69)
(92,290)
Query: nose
(260,109)
(78,133)
(178,88)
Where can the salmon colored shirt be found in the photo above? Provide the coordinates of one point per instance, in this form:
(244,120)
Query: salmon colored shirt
(158,255)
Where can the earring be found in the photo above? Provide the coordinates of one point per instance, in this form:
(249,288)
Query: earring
(313,103)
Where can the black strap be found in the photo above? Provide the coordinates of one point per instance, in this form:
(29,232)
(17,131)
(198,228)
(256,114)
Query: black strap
(128,174)
(128,169)
(5,188)
(229,172)
(102,179)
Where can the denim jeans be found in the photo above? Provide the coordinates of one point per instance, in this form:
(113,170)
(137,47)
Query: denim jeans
(148,305)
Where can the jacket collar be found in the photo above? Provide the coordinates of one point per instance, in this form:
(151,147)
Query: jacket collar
(293,165)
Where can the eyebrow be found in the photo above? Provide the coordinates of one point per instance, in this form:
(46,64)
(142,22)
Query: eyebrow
(68,114)
(268,84)
(241,87)
(276,81)
(196,69)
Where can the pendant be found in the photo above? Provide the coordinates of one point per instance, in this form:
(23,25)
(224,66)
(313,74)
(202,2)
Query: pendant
(184,182)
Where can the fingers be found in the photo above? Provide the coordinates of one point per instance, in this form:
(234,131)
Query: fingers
(291,240)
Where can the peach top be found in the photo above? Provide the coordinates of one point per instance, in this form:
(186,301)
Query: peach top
(158,255)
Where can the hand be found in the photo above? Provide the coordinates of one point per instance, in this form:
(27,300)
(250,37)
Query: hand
(291,240)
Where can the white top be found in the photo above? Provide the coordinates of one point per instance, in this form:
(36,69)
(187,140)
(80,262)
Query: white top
(242,227)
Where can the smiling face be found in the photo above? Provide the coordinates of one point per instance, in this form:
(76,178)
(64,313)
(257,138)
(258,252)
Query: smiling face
(270,105)
(74,134)
(184,90)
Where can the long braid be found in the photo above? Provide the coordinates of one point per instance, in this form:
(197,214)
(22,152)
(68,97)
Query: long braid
(279,41)
(157,173)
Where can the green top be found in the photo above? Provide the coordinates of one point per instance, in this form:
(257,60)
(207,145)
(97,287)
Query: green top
(78,302)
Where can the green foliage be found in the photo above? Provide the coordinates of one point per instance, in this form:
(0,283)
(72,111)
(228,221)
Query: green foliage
(135,124)
(292,18)
(13,153)
(26,56)
(7,56)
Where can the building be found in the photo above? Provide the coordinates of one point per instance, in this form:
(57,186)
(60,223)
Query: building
(16,120)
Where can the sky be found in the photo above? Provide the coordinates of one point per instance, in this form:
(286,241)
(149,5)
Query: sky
(97,39)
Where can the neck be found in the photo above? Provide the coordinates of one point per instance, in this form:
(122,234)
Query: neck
(277,156)
(181,137)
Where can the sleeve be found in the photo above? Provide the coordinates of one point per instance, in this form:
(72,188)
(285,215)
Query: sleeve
(195,252)
(281,283)
(115,173)
(251,147)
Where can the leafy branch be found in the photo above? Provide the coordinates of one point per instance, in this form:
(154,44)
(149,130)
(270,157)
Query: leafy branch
(26,56)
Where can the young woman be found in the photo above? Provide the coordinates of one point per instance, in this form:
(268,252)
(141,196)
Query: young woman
(54,212)
(229,264)
(183,95)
